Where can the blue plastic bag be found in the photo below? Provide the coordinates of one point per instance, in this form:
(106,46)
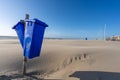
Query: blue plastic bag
(31,37)
(19,28)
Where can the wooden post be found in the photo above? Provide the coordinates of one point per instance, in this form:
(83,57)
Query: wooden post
(24,65)
(24,58)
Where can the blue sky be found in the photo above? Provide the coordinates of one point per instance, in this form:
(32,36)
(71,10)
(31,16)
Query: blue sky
(66,18)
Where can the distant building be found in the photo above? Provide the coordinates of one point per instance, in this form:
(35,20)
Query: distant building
(115,38)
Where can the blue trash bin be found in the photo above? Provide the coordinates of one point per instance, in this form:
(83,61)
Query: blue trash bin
(31,36)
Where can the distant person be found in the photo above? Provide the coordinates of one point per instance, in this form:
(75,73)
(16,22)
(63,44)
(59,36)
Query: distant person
(86,38)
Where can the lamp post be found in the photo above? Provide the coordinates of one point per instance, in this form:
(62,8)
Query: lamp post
(104,32)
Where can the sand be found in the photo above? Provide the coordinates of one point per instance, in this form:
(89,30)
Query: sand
(62,59)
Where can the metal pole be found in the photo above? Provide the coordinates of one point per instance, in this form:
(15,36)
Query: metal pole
(24,58)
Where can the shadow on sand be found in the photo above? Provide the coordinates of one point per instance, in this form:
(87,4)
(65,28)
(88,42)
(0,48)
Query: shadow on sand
(29,76)
(96,75)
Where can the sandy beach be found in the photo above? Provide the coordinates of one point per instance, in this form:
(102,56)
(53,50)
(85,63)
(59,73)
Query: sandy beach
(62,59)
